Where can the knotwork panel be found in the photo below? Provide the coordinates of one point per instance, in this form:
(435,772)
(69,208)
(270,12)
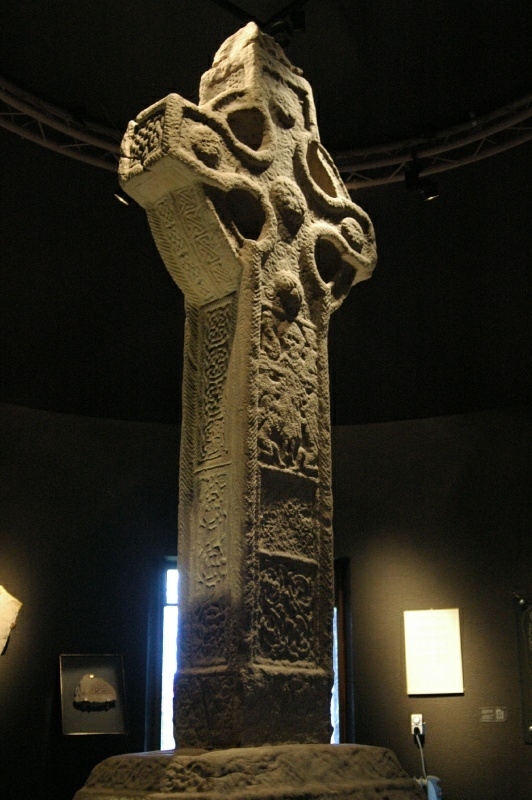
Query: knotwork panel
(286,614)
(216,325)
(147,138)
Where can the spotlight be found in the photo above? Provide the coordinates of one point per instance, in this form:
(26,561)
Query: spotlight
(426,188)
(282,28)
(121,199)
(282,31)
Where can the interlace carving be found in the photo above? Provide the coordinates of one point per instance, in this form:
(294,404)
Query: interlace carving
(217,329)
(286,620)
(254,224)
(147,138)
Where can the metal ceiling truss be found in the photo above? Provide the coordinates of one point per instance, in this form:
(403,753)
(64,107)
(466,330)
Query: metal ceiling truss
(56,129)
(282,25)
(476,139)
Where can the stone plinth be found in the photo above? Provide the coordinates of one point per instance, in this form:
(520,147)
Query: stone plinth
(285,772)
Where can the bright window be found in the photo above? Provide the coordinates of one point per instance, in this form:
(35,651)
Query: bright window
(169,659)
(335,697)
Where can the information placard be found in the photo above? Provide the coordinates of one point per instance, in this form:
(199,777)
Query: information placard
(433,652)
(524,627)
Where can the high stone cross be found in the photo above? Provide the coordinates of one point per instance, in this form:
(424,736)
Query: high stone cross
(255,226)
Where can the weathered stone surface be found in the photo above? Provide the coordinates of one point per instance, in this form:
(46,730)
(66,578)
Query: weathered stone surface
(254,224)
(9,608)
(290,772)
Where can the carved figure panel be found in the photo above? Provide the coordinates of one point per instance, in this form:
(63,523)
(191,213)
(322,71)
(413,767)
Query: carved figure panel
(288,401)
(211,558)
(288,514)
(204,614)
(203,631)
(207,708)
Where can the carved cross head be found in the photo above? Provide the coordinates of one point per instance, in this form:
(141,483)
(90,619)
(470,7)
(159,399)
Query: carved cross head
(243,175)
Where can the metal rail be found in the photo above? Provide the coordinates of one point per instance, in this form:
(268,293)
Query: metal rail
(477,138)
(57,129)
(474,140)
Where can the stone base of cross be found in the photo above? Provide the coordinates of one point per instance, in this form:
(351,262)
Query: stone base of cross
(282,772)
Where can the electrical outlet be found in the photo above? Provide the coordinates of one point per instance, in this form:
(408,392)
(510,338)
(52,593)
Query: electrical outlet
(417,725)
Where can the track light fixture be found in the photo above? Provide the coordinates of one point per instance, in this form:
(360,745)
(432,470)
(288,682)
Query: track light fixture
(283,27)
(121,199)
(426,188)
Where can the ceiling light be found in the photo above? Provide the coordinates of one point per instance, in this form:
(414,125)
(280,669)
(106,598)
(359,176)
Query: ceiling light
(426,188)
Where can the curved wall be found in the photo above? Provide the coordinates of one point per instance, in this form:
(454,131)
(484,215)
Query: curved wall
(431,513)
(435,513)
(88,511)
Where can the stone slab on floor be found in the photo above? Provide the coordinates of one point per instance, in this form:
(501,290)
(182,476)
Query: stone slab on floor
(283,772)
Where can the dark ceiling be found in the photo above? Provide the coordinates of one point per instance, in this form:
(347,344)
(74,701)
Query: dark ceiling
(92,324)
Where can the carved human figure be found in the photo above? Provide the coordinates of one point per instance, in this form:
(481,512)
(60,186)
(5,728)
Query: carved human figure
(255,226)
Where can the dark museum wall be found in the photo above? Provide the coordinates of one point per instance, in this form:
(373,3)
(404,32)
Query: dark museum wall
(434,513)
(88,513)
(430,512)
